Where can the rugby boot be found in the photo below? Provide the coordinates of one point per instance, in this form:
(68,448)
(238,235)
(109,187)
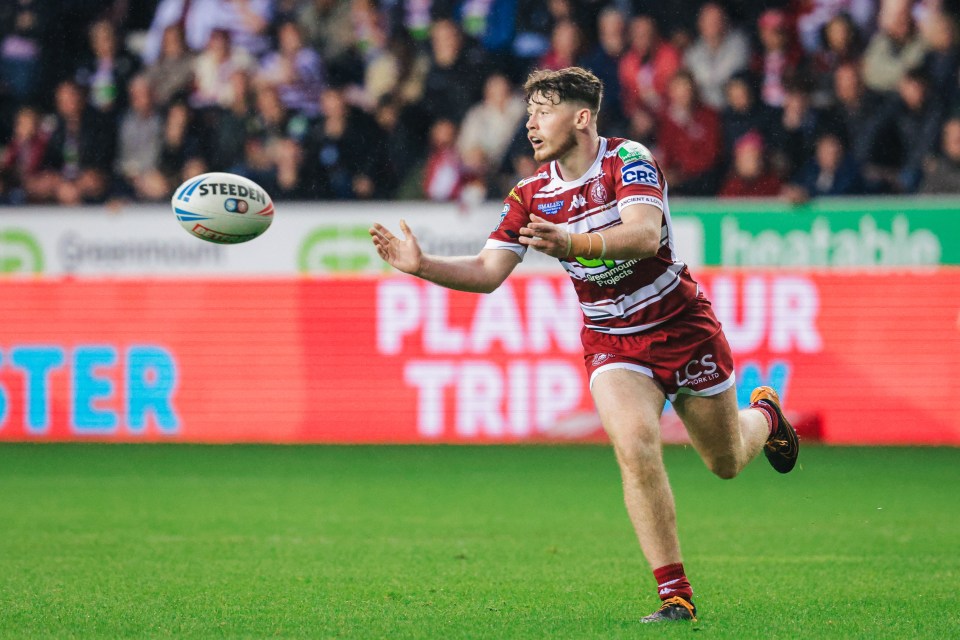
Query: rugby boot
(783,446)
(675,608)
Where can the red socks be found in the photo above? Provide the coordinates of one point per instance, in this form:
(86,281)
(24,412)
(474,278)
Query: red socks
(768,412)
(672,581)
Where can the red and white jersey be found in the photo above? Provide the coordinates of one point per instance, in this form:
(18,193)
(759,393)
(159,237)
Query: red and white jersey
(616,296)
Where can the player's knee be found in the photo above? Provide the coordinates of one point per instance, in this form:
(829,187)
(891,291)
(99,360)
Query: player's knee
(724,468)
(636,457)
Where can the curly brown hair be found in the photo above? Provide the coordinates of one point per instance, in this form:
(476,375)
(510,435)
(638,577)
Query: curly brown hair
(572,84)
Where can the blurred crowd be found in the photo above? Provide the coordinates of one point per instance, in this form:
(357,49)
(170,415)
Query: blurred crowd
(113,100)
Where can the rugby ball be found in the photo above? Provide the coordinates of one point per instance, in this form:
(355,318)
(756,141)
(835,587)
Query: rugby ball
(223,207)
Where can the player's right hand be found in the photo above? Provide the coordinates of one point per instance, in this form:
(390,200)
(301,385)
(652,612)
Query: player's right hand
(404,255)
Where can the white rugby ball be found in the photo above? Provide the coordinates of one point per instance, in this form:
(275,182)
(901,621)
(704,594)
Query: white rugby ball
(223,207)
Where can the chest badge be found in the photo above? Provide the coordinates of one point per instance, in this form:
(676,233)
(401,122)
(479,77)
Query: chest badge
(598,193)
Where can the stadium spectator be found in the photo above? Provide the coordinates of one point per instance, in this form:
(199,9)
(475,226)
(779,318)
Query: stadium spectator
(604,61)
(268,129)
(646,68)
(406,143)
(645,325)
(444,175)
(743,113)
(489,126)
(779,58)
(399,72)
(565,46)
(181,150)
(22,30)
(813,16)
(535,22)
(793,135)
(689,139)
(247,22)
(138,147)
(344,152)
(942,64)
(233,124)
(840,44)
(79,155)
(894,49)
(717,54)
(942,173)
(295,70)
(213,70)
(907,127)
(106,76)
(853,112)
(456,73)
(830,172)
(22,160)
(328,27)
(171,76)
(750,177)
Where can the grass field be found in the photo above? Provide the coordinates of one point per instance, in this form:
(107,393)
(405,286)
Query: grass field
(117,541)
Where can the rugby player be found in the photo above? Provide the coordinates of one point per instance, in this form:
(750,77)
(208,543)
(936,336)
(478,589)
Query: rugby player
(599,205)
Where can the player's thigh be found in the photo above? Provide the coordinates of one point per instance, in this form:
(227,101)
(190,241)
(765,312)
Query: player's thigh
(629,404)
(712,422)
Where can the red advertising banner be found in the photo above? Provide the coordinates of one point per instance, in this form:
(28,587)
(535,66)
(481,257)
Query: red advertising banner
(871,357)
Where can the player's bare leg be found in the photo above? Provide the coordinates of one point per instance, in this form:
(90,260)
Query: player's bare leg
(630,405)
(726,439)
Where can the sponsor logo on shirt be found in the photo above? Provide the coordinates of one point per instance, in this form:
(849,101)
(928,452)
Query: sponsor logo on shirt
(577,202)
(639,172)
(516,196)
(632,151)
(503,214)
(550,208)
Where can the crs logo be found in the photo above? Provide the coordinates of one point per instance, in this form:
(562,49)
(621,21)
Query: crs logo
(640,172)
(235,205)
(697,371)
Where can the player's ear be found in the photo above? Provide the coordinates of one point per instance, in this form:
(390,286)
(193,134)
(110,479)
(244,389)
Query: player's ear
(584,118)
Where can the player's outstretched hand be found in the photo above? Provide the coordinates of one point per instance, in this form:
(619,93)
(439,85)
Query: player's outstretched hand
(545,236)
(404,255)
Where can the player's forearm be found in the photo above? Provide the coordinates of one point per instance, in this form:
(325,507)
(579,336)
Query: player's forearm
(622,242)
(463,273)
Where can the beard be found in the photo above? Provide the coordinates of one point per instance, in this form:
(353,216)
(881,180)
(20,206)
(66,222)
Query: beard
(557,152)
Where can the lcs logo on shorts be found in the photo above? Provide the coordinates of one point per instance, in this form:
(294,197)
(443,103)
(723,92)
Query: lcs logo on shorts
(550,208)
(697,371)
(640,172)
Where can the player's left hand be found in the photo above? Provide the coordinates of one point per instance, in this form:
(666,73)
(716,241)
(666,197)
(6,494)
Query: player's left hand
(546,237)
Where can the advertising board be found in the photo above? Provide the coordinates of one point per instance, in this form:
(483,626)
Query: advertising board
(394,359)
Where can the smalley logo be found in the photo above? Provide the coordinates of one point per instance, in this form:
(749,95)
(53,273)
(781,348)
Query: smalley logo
(577,202)
(550,208)
(19,252)
(697,371)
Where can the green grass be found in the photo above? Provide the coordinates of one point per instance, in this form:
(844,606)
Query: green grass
(116,541)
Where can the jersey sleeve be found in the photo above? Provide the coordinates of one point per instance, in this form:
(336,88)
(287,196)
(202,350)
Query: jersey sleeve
(637,176)
(513,217)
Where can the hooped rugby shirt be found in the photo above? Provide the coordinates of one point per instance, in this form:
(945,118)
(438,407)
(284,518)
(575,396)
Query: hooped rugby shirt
(616,296)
